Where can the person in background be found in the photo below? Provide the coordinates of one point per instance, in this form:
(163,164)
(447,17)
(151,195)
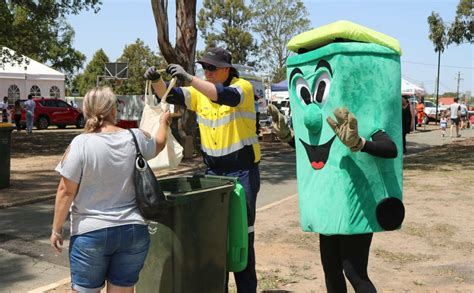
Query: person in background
(224,105)
(17,114)
(109,237)
(463,112)
(420,111)
(30,113)
(406,121)
(454,111)
(4,109)
(443,124)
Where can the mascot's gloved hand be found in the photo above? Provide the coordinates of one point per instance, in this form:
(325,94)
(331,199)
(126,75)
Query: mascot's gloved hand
(279,124)
(346,129)
(177,71)
(152,74)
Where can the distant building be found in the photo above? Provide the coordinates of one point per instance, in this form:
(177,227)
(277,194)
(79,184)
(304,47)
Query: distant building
(17,82)
(446,100)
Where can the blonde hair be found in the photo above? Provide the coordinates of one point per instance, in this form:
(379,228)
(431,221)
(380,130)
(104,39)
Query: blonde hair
(98,106)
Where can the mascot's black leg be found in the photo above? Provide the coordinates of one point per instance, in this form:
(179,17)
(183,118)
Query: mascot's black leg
(355,258)
(331,260)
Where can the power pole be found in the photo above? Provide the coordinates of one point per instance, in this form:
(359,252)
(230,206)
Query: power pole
(437,88)
(459,79)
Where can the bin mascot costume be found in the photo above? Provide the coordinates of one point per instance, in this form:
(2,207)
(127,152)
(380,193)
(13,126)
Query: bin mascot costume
(345,97)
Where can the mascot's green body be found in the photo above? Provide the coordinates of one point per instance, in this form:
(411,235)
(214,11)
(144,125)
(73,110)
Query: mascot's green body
(340,191)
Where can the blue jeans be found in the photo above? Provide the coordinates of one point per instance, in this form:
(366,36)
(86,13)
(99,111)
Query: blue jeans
(29,122)
(115,254)
(246,280)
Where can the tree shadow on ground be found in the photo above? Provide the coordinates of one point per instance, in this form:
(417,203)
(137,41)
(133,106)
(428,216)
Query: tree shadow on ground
(443,158)
(44,143)
(282,167)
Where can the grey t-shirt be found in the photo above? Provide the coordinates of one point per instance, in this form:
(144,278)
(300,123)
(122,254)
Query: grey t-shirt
(102,164)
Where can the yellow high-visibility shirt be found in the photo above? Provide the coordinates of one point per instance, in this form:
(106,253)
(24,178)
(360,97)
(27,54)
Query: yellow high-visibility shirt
(225,129)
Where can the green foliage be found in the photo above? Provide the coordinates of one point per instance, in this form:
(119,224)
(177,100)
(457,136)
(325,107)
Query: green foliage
(437,32)
(462,28)
(139,58)
(279,74)
(449,94)
(460,31)
(276,22)
(88,79)
(225,23)
(38,29)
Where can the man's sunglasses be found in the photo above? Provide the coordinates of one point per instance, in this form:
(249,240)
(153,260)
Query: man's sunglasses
(209,67)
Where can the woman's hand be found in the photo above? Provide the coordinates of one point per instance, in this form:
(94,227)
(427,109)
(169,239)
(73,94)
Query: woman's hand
(56,241)
(166,118)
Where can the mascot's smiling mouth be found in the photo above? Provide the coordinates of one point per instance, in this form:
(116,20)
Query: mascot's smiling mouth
(318,155)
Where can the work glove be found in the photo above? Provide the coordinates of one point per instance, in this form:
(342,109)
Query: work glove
(152,74)
(177,71)
(346,129)
(279,124)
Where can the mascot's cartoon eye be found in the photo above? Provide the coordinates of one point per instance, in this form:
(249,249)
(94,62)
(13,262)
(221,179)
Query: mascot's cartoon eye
(323,84)
(302,91)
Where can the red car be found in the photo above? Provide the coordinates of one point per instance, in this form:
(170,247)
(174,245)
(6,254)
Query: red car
(53,112)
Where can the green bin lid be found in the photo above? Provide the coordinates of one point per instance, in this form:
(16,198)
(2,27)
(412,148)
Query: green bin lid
(342,29)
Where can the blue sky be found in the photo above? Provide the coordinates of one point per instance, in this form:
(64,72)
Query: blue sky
(121,22)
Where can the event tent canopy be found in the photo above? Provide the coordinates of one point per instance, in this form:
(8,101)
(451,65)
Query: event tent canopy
(33,71)
(409,88)
(282,86)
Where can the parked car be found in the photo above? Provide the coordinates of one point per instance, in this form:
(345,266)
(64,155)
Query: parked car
(53,112)
(430,111)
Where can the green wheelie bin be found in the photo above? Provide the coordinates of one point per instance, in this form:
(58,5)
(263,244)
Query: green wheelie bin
(5,151)
(189,245)
(237,240)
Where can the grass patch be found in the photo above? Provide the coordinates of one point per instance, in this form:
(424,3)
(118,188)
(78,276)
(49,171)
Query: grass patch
(418,283)
(401,257)
(446,230)
(414,230)
(464,246)
(271,280)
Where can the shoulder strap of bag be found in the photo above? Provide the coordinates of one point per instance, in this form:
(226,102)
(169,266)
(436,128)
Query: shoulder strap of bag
(137,148)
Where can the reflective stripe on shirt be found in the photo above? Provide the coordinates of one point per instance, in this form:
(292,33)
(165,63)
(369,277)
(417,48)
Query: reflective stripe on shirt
(230,149)
(227,119)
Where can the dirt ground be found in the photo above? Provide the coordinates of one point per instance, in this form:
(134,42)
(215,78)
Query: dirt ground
(433,251)
(33,159)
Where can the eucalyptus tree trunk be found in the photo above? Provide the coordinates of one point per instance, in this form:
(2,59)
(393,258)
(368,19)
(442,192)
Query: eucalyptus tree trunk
(183,53)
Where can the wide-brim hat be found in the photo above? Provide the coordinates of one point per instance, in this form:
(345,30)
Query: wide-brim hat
(218,57)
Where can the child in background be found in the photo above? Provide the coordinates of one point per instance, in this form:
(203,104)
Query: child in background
(443,124)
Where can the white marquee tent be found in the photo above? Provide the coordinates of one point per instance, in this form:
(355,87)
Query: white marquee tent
(17,82)
(409,88)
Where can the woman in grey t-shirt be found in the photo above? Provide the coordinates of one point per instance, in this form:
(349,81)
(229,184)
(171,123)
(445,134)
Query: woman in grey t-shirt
(109,238)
